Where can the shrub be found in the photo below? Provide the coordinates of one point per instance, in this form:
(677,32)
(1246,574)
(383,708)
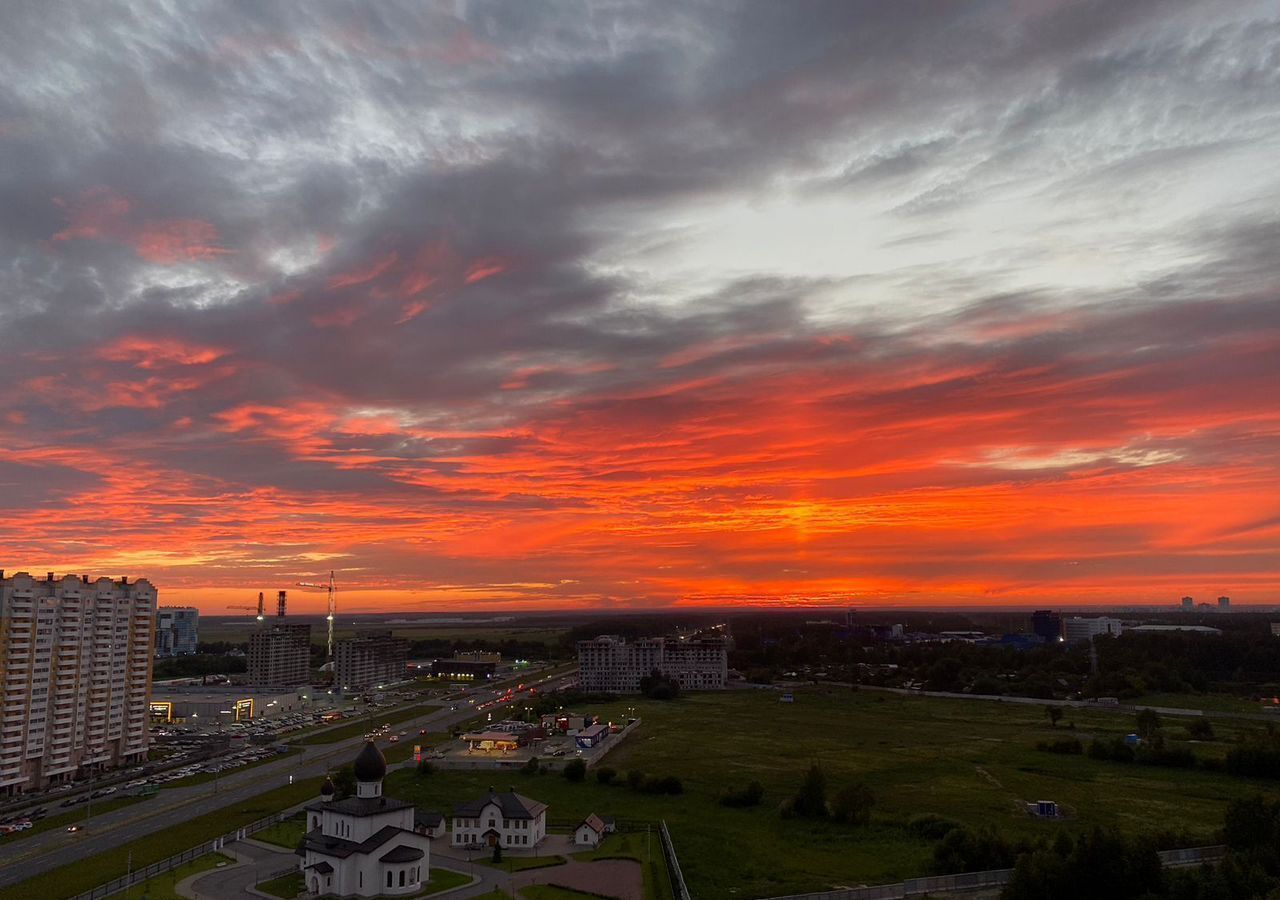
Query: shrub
(931,826)
(1200,729)
(635,778)
(1257,756)
(971,850)
(811,800)
(852,804)
(751,795)
(671,785)
(605,775)
(532,767)
(575,770)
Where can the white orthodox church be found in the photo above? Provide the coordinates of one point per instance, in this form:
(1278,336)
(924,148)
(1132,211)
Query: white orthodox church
(366,845)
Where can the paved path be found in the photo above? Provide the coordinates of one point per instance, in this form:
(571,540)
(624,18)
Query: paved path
(172,806)
(256,863)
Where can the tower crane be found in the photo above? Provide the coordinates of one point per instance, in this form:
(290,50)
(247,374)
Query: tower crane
(259,607)
(333,605)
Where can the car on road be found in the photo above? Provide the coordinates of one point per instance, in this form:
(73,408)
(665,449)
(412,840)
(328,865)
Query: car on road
(73,828)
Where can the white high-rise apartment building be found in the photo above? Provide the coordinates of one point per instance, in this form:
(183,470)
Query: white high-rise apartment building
(612,665)
(75,676)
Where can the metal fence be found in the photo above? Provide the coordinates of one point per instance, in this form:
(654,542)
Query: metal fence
(967,881)
(1192,856)
(673,864)
(124,882)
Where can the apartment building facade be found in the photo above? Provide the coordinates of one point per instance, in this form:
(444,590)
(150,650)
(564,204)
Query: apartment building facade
(613,665)
(177,631)
(369,660)
(280,655)
(75,676)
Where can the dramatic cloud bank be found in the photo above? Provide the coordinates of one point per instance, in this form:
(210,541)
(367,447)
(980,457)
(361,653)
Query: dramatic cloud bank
(645,303)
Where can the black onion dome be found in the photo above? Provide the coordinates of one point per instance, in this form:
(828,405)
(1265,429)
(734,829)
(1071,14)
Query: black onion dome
(327,789)
(370,765)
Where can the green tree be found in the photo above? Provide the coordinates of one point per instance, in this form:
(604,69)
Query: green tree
(852,804)
(575,770)
(1148,724)
(1055,715)
(811,800)
(344,782)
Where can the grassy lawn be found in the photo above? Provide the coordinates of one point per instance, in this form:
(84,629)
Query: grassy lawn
(622,846)
(971,761)
(205,777)
(91,870)
(162,887)
(366,723)
(444,880)
(286,886)
(285,834)
(521,863)
(75,815)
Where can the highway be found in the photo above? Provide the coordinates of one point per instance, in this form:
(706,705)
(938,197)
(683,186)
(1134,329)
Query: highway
(30,856)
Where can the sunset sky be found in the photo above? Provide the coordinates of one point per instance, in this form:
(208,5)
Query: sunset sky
(544,305)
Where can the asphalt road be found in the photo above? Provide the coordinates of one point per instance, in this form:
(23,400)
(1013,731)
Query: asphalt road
(172,806)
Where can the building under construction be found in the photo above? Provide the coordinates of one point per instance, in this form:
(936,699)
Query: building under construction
(280,652)
(370,659)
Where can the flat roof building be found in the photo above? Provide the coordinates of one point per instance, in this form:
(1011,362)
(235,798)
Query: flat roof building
(75,657)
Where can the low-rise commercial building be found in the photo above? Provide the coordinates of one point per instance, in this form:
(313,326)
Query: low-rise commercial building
(463,669)
(205,705)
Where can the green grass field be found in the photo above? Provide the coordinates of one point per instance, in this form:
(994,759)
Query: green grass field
(1210,703)
(974,762)
(286,886)
(444,880)
(163,887)
(286,834)
(86,870)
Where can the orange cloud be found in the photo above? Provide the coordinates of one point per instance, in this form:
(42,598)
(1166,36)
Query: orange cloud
(103,214)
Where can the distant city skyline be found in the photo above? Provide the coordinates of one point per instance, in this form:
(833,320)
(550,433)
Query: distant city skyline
(555,306)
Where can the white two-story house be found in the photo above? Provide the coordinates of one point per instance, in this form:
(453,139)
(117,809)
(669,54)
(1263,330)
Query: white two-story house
(506,820)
